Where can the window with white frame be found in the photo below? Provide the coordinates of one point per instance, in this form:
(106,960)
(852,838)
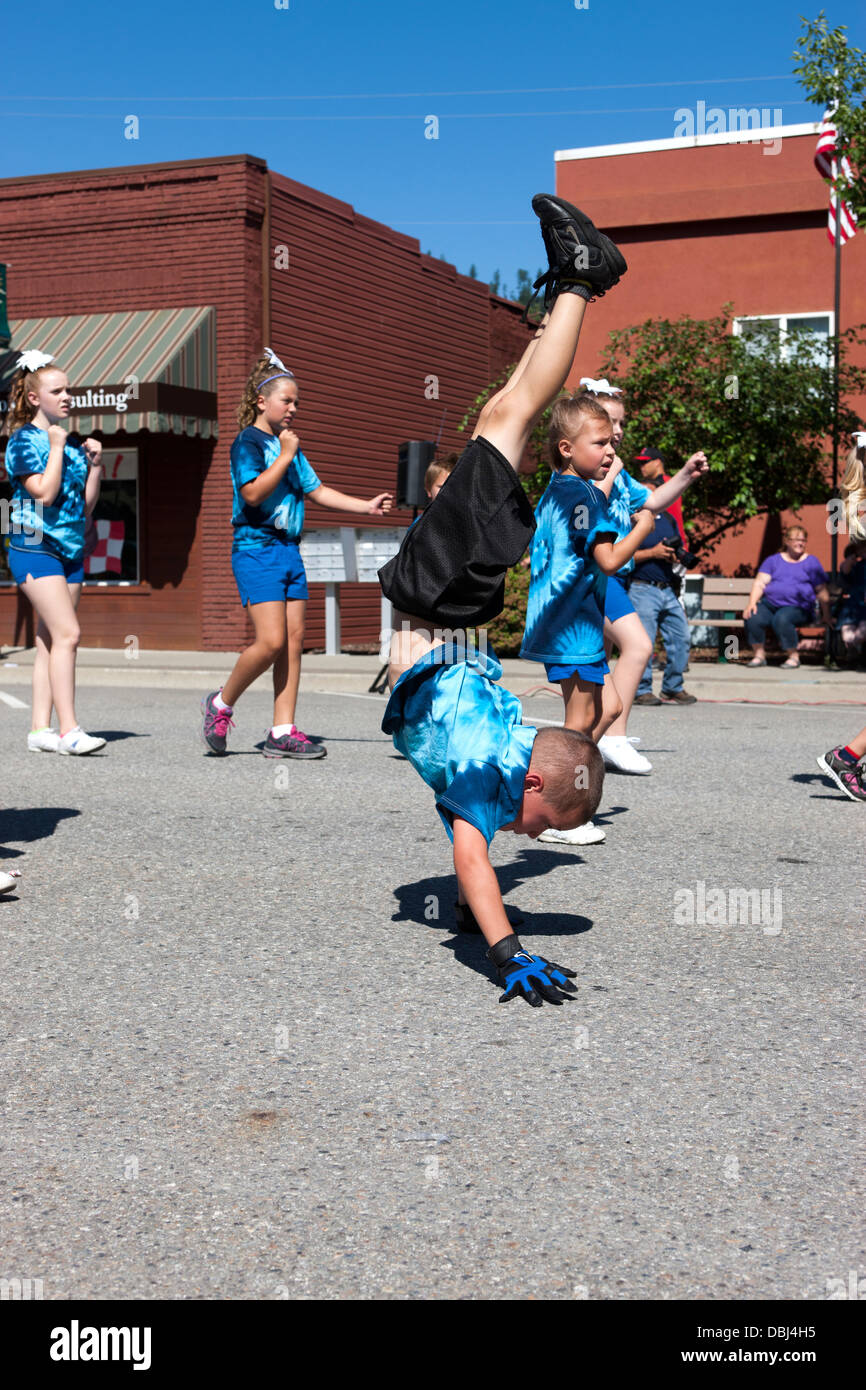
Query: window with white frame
(788,327)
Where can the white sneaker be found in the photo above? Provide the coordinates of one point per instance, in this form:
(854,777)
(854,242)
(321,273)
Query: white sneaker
(43,741)
(619,752)
(78,743)
(588,834)
(9,881)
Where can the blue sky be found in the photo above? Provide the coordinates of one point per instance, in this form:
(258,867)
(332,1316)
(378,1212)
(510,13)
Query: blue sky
(335,93)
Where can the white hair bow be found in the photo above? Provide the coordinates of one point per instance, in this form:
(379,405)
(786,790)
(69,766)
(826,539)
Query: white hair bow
(275,361)
(859,437)
(600,388)
(33,359)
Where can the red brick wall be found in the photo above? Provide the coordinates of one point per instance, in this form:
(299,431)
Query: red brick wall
(360,315)
(364,319)
(155,236)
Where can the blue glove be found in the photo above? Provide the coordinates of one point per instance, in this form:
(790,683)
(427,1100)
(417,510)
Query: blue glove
(530,977)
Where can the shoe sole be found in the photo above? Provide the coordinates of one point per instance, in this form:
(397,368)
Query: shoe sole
(573,844)
(297,757)
(834,776)
(666,700)
(71,753)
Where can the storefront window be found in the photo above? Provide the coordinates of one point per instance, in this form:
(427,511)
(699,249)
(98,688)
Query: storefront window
(111,554)
(112,547)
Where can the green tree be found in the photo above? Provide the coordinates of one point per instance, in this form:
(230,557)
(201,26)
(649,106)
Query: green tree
(523,292)
(759,406)
(833,74)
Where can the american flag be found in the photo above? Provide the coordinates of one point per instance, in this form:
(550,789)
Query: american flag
(826,164)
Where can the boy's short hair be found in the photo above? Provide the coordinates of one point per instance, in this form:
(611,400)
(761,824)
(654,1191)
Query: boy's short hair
(438,466)
(566,418)
(573,770)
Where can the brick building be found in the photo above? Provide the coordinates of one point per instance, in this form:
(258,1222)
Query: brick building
(708,220)
(156,287)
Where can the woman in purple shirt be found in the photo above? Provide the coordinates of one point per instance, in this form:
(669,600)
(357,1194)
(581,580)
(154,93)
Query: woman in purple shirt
(783,598)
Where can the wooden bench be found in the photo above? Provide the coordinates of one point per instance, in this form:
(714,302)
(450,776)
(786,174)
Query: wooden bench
(727,599)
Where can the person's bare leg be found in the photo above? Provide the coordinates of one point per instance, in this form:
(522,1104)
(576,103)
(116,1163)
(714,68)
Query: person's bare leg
(858,744)
(287,667)
(52,601)
(583,704)
(506,421)
(635,650)
(611,708)
(42,701)
(411,639)
(269,621)
(521,366)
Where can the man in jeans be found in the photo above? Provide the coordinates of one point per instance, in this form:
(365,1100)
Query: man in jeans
(653,591)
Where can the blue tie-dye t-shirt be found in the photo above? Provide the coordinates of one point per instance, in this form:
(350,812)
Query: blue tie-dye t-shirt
(565,610)
(464,734)
(626,498)
(58,529)
(280,517)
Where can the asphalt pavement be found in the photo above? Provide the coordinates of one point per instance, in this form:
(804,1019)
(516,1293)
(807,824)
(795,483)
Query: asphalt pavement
(245,1056)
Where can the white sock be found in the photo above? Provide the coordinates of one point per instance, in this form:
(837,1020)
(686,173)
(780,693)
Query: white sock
(280,729)
(221,704)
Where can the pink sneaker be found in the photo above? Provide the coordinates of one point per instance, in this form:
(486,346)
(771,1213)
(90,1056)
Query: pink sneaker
(293,745)
(216,725)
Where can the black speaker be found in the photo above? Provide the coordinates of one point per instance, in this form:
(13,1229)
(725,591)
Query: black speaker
(413,459)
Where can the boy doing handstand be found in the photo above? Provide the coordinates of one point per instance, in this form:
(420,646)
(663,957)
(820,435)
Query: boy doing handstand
(461,731)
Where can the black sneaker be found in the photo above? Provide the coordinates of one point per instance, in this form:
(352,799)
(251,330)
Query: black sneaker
(647,699)
(295,745)
(678,697)
(581,259)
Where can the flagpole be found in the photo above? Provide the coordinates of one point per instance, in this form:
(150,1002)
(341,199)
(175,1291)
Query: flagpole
(837,301)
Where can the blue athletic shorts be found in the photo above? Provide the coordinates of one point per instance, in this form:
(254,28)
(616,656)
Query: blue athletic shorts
(41,563)
(270,574)
(593,671)
(617,603)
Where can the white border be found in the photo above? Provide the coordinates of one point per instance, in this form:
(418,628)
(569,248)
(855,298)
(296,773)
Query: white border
(690,142)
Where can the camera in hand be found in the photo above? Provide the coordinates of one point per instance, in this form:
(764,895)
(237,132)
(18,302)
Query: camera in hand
(681,555)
